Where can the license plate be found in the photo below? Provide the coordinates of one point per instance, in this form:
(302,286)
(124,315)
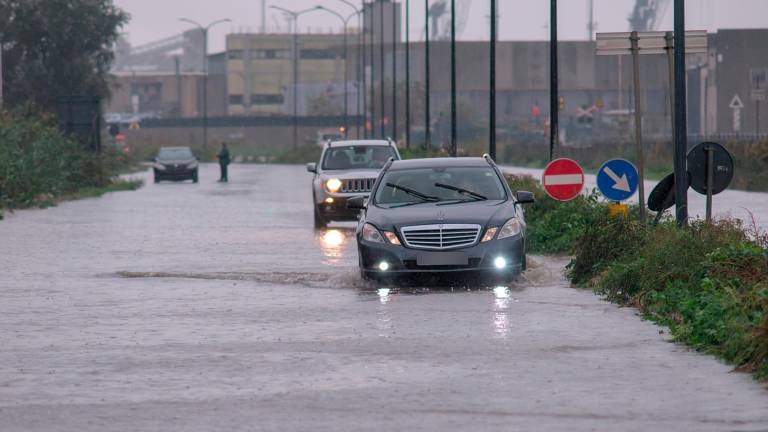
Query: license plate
(442,258)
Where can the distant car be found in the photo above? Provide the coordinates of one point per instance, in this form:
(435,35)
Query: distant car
(346,169)
(175,164)
(441,215)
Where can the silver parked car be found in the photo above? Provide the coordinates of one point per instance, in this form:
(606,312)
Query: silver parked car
(346,169)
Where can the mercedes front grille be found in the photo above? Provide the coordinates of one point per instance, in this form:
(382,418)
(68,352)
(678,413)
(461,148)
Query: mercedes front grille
(448,236)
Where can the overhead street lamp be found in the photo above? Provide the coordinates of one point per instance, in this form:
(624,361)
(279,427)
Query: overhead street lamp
(204,30)
(492,93)
(295,16)
(345,21)
(407,77)
(360,64)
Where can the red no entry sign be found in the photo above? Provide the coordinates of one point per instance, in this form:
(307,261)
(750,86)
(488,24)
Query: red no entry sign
(563,179)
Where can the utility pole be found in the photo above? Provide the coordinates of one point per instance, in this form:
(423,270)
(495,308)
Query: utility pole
(407,76)
(394,71)
(427,119)
(554,105)
(204,30)
(492,98)
(681,127)
(454,145)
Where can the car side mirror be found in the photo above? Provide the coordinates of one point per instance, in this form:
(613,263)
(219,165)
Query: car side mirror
(524,197)
(312,167)
(357,203)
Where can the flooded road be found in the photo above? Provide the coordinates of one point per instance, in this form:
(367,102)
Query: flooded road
(218,307)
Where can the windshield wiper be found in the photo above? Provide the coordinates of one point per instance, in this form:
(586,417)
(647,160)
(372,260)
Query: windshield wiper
(411,192)
(462,191)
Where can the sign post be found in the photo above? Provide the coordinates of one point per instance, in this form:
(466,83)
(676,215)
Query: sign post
(563,179)
(711,170)
(635,48)
(638,43)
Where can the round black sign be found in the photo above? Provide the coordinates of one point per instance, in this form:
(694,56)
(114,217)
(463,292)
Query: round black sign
(114,129)
(663,195)
(722,168)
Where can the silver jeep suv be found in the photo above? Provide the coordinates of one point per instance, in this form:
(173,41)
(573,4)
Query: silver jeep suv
(346,169)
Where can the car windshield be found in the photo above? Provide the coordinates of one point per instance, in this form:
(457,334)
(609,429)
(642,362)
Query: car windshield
(175,154)
(439,185)
(357,157)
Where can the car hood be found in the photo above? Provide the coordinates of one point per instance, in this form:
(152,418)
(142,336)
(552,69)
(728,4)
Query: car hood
(483,213)
(352,174)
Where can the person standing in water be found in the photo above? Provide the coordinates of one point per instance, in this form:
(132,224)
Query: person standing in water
(223,157)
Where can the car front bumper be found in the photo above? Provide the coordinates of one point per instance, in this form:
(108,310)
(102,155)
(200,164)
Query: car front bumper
(337,209)
(176,174)
(481,258)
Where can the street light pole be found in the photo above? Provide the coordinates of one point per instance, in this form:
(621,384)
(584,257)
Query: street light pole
(204,30)
(681,127)
(295,16)
(427,119)
(454,147)
(372,102)
(407,77)
(554,106)
(394,71)
(345,21)
(360,64)
(381,78)
(492,98)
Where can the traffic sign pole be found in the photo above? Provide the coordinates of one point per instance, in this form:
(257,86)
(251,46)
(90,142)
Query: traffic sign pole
(638,120)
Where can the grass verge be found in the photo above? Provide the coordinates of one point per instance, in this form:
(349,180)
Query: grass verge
(707,283)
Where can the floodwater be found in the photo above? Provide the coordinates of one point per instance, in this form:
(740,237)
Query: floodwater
(218,307)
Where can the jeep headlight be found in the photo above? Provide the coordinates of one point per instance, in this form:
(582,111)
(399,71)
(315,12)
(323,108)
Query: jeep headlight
(371,234)
(510,229)
(333,185)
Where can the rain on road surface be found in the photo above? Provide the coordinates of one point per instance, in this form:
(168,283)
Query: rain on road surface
(218,307)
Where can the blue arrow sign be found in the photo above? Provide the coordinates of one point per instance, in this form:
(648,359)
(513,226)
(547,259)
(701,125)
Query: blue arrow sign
(617,180)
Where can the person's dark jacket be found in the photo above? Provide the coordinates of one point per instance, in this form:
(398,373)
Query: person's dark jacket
(224,157)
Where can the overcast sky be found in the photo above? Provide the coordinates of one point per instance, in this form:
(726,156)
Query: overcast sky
(519,19)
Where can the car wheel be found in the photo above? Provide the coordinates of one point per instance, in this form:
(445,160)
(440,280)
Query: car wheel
(157,179)
(194,177)
(320,222)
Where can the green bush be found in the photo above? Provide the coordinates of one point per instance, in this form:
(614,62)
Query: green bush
(707,283)
(38,165)
(554,226)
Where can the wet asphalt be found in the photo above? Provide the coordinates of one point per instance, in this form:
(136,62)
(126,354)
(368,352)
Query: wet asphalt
(218,307)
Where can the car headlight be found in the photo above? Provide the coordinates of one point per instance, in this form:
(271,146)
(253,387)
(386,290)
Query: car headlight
(510,229)
(490,233)
(371,234)
(192,164)
(159,167)
(333,185)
